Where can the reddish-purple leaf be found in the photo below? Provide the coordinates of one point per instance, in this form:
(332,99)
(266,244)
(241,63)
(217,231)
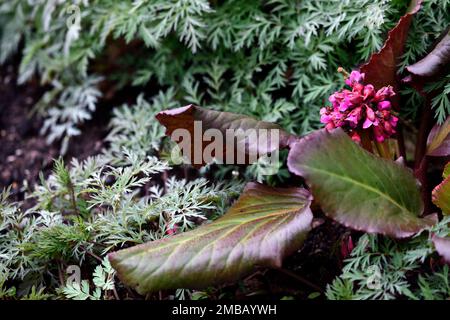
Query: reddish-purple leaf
(431,67)
(381,69)
(189,116)
(435,61)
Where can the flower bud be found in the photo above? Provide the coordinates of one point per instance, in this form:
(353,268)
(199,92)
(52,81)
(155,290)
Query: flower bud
(369,91)
(384,105)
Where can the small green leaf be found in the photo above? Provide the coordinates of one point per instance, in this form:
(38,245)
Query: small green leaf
(77,291)
(438,144)
(314,295)
(441,194)
(262,227)
(356,188)
(446,172)
(103,276)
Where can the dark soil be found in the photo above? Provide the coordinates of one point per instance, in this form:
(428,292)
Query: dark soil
(24,152)
(306,273)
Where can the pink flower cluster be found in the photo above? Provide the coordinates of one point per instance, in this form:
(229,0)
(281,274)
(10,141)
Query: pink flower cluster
(361,108)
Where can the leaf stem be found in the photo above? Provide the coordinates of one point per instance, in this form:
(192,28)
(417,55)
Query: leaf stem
(424,129)
(420,158)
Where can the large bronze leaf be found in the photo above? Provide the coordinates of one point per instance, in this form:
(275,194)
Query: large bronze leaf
(191,117)
(261,228)
(441,194)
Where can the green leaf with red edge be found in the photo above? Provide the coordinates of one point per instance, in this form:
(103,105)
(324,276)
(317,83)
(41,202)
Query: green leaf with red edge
(438,144)
(185,117)
(381,69)
(446,172)
(435,62)
(356,188)
(442,246)
(441,194)
(260,229)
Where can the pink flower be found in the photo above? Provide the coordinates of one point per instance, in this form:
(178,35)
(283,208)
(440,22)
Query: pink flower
(354,116)
(384,93)
(367,123)
(388,127)
(330,126)
(393,121)
(355,77)
(345,105)
(333,100)
(369,91)
(384,105)
(361,109)
(325,116)
(379,134)
(354,98)
(370,119)
(370,114)
(358,87)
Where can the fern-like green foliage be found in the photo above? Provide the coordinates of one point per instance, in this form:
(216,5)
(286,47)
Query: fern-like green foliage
(273,59)
(103,280)
(86,209)
(99,210)
(380,268)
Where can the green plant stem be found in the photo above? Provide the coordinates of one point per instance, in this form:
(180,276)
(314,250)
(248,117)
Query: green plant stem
(424,130)
(93,255)
(420,160)
(60,273)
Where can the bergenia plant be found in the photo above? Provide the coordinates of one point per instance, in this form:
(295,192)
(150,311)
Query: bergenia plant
(348,170)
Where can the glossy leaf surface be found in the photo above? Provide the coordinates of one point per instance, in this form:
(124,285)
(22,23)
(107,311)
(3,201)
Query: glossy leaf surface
(262,227)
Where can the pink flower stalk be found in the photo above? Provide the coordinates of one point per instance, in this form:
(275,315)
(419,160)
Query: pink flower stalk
(361,108)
